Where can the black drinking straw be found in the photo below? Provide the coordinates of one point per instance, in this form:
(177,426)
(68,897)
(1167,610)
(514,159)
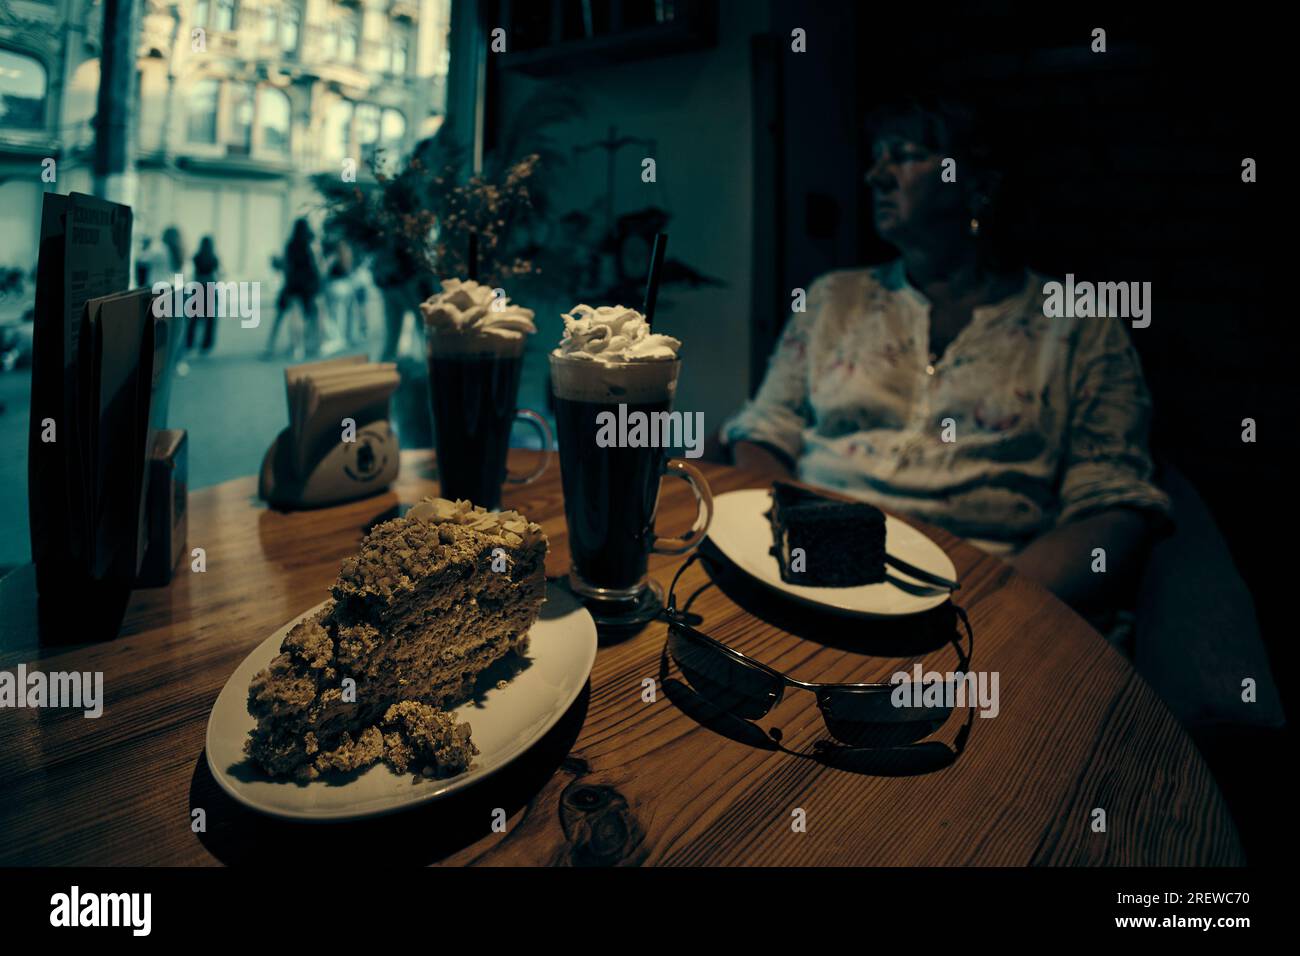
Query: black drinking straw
(472,269)
(652,283)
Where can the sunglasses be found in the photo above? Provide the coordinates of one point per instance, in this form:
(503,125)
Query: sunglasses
(859,715)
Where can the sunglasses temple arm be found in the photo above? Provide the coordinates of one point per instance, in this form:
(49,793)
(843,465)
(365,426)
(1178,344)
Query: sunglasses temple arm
(970,635)
(670,605)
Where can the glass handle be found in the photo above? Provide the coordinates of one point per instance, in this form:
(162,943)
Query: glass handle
(703,515)
(548,445)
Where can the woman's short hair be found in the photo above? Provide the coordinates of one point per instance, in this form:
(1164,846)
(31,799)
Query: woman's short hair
(946,124)
(955,126)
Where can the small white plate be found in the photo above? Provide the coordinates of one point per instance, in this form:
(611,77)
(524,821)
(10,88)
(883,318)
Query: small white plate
(741,531)
(505,721)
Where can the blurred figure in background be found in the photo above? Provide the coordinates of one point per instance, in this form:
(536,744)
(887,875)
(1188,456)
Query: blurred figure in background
(301,283)
(360,333)
(400,285)
(171,240)
(172,257)
(206,265)
(151,262)
(341,283)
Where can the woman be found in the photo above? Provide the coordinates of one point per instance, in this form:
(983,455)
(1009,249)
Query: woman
(301,282)
(206,265)
(171,240)
(341,295)
(934,385)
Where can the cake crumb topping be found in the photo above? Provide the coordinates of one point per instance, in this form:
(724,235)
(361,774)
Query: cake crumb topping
(513,527)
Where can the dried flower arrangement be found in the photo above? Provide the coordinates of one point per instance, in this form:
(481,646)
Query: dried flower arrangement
(419,220)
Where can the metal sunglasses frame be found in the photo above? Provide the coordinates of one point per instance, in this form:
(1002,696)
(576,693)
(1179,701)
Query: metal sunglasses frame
(823,691)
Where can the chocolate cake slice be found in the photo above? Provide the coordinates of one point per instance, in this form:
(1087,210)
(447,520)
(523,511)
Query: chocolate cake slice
(432,599)
(825,542)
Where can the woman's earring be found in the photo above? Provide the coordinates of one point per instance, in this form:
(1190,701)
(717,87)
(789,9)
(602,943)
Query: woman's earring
(981,202)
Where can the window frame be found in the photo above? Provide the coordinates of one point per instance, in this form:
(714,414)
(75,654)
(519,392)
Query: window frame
(259,146)
(349,22)
(399,37)
(216,111)
(42,111)
(291,11)
(217,7)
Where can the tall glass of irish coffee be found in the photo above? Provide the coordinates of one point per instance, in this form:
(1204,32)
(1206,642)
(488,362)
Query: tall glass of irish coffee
(610,369)
(476,340)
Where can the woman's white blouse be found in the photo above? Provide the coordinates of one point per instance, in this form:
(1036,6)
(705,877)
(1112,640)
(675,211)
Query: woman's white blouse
(1024,423)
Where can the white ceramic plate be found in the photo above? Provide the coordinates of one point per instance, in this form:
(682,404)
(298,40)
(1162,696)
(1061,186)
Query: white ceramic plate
(741,531)
(506,721)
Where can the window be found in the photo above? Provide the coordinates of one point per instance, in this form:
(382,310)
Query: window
(239,128)
(201,10)
(367,130)
(273,120)
(349,36)
(392,131)
(399,45)
(201,112)
(270,25)
(22,92)
(329,40)
(225,16)
(338,131)
(290,28)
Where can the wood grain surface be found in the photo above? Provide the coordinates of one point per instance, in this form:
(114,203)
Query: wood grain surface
(621,780)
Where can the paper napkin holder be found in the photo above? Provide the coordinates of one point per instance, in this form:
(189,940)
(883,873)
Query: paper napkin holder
(344,471)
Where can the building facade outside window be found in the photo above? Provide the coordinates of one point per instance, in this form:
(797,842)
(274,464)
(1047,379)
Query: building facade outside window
(22,91)
(337,144)
(201,104)
(270,25)
(329,40)
(226,16)
(399,46)
(349,35)
(239,128)
(290,27)
(392,133)
(367,130)
(273,120)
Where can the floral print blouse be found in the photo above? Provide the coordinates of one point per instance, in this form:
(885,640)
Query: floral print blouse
(1048,417)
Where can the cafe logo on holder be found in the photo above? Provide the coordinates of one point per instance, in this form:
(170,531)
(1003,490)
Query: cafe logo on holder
(370,458)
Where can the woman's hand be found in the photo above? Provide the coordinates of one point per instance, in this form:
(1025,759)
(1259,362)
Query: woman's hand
(1062,559)
(754,457)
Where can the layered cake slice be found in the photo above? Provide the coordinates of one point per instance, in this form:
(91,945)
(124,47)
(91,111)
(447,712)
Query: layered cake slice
(432,599)
(826,542)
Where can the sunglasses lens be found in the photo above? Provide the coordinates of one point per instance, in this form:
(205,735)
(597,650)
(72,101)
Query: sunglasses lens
(736,687)
(873,717)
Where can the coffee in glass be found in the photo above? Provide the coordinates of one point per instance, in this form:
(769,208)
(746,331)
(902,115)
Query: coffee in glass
(609,364)
(476,343)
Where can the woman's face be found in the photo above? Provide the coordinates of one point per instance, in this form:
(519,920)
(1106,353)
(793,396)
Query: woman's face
(912,203)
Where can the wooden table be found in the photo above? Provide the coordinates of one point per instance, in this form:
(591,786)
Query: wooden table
(621,779)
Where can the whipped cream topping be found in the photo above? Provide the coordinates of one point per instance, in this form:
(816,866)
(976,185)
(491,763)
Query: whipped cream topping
(465,306)
(612,334)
